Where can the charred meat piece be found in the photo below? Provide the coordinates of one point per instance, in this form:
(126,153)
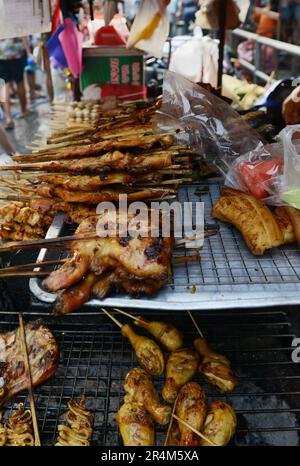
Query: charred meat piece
(71,272)
(43,358)
(139,389)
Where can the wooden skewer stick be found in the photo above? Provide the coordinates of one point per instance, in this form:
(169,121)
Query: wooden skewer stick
(194,430)
(32,265)
(37,440)
(170,423)
(206,234)
(195,323)
(185,259)
(126,313)
(27,273)
(112,318)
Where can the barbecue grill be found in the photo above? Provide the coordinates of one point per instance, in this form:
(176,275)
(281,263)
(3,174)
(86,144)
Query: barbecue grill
(95,359)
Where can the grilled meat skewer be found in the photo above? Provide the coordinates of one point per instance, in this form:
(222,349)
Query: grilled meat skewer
(215,367)
(136,425)
(220,424)
(139,389)
(191,407)
(180,368)
(19,429)
(78,428)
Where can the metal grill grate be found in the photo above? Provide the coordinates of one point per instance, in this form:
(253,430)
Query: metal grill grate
(227,276)
(95,358)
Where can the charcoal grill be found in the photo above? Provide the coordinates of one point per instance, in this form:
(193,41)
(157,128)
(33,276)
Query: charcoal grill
(95,359)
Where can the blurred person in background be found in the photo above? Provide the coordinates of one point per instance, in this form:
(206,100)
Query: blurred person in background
(172,8)
(186,10)
(13,53)
(4,142)
(267,27)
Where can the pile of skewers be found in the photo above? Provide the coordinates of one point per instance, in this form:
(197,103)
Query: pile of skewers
(77,168)
(191,421)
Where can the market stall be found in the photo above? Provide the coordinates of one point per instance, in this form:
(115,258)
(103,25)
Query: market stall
(203,258)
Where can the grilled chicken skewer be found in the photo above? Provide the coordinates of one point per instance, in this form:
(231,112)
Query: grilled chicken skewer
(220,424)
(144,142)
(191,406)
(214,367)
(147,351)
(180,368)
(139,389)
(168,335)
(136,425)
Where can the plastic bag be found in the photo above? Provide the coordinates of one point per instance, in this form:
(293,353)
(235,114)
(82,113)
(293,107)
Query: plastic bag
(271,172)
(210,125)
(197,60)
(208,15)
(290,189)
(150,28)
(259,172)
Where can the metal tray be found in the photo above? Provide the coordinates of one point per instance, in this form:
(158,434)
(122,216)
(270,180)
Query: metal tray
(227,276)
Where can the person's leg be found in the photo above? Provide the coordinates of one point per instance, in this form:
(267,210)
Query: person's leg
(22,97)
(6,105)
(4,142)
(31,84)
(47,68)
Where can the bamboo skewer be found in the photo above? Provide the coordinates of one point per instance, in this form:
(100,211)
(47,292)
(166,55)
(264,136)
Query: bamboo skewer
(112,318)
(194,430)
(20,267)
(195,323)
(37,440)
(170,423)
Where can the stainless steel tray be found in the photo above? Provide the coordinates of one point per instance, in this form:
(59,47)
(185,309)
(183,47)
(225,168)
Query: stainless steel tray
(227,276)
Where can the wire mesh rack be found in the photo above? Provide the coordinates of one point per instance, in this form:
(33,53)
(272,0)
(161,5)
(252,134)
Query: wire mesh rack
(227,275)
(94,359)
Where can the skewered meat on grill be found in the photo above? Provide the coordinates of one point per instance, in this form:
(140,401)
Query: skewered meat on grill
(147,351)
(139,389)
(3,433)
(215,367)
(19,429)
(136,425)
(95,197)
(142,142)
(117,161)
(43,359)
(19,221)
(220,424)
(191,407)
(78,428)
(137,258)
(166,334)
(74,297)
(180,368)
(90,183)
(251,217)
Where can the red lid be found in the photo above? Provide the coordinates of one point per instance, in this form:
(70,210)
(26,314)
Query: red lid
(108,35)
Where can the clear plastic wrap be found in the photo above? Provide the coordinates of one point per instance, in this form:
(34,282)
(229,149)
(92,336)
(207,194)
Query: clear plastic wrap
(271,172)
(215,130)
